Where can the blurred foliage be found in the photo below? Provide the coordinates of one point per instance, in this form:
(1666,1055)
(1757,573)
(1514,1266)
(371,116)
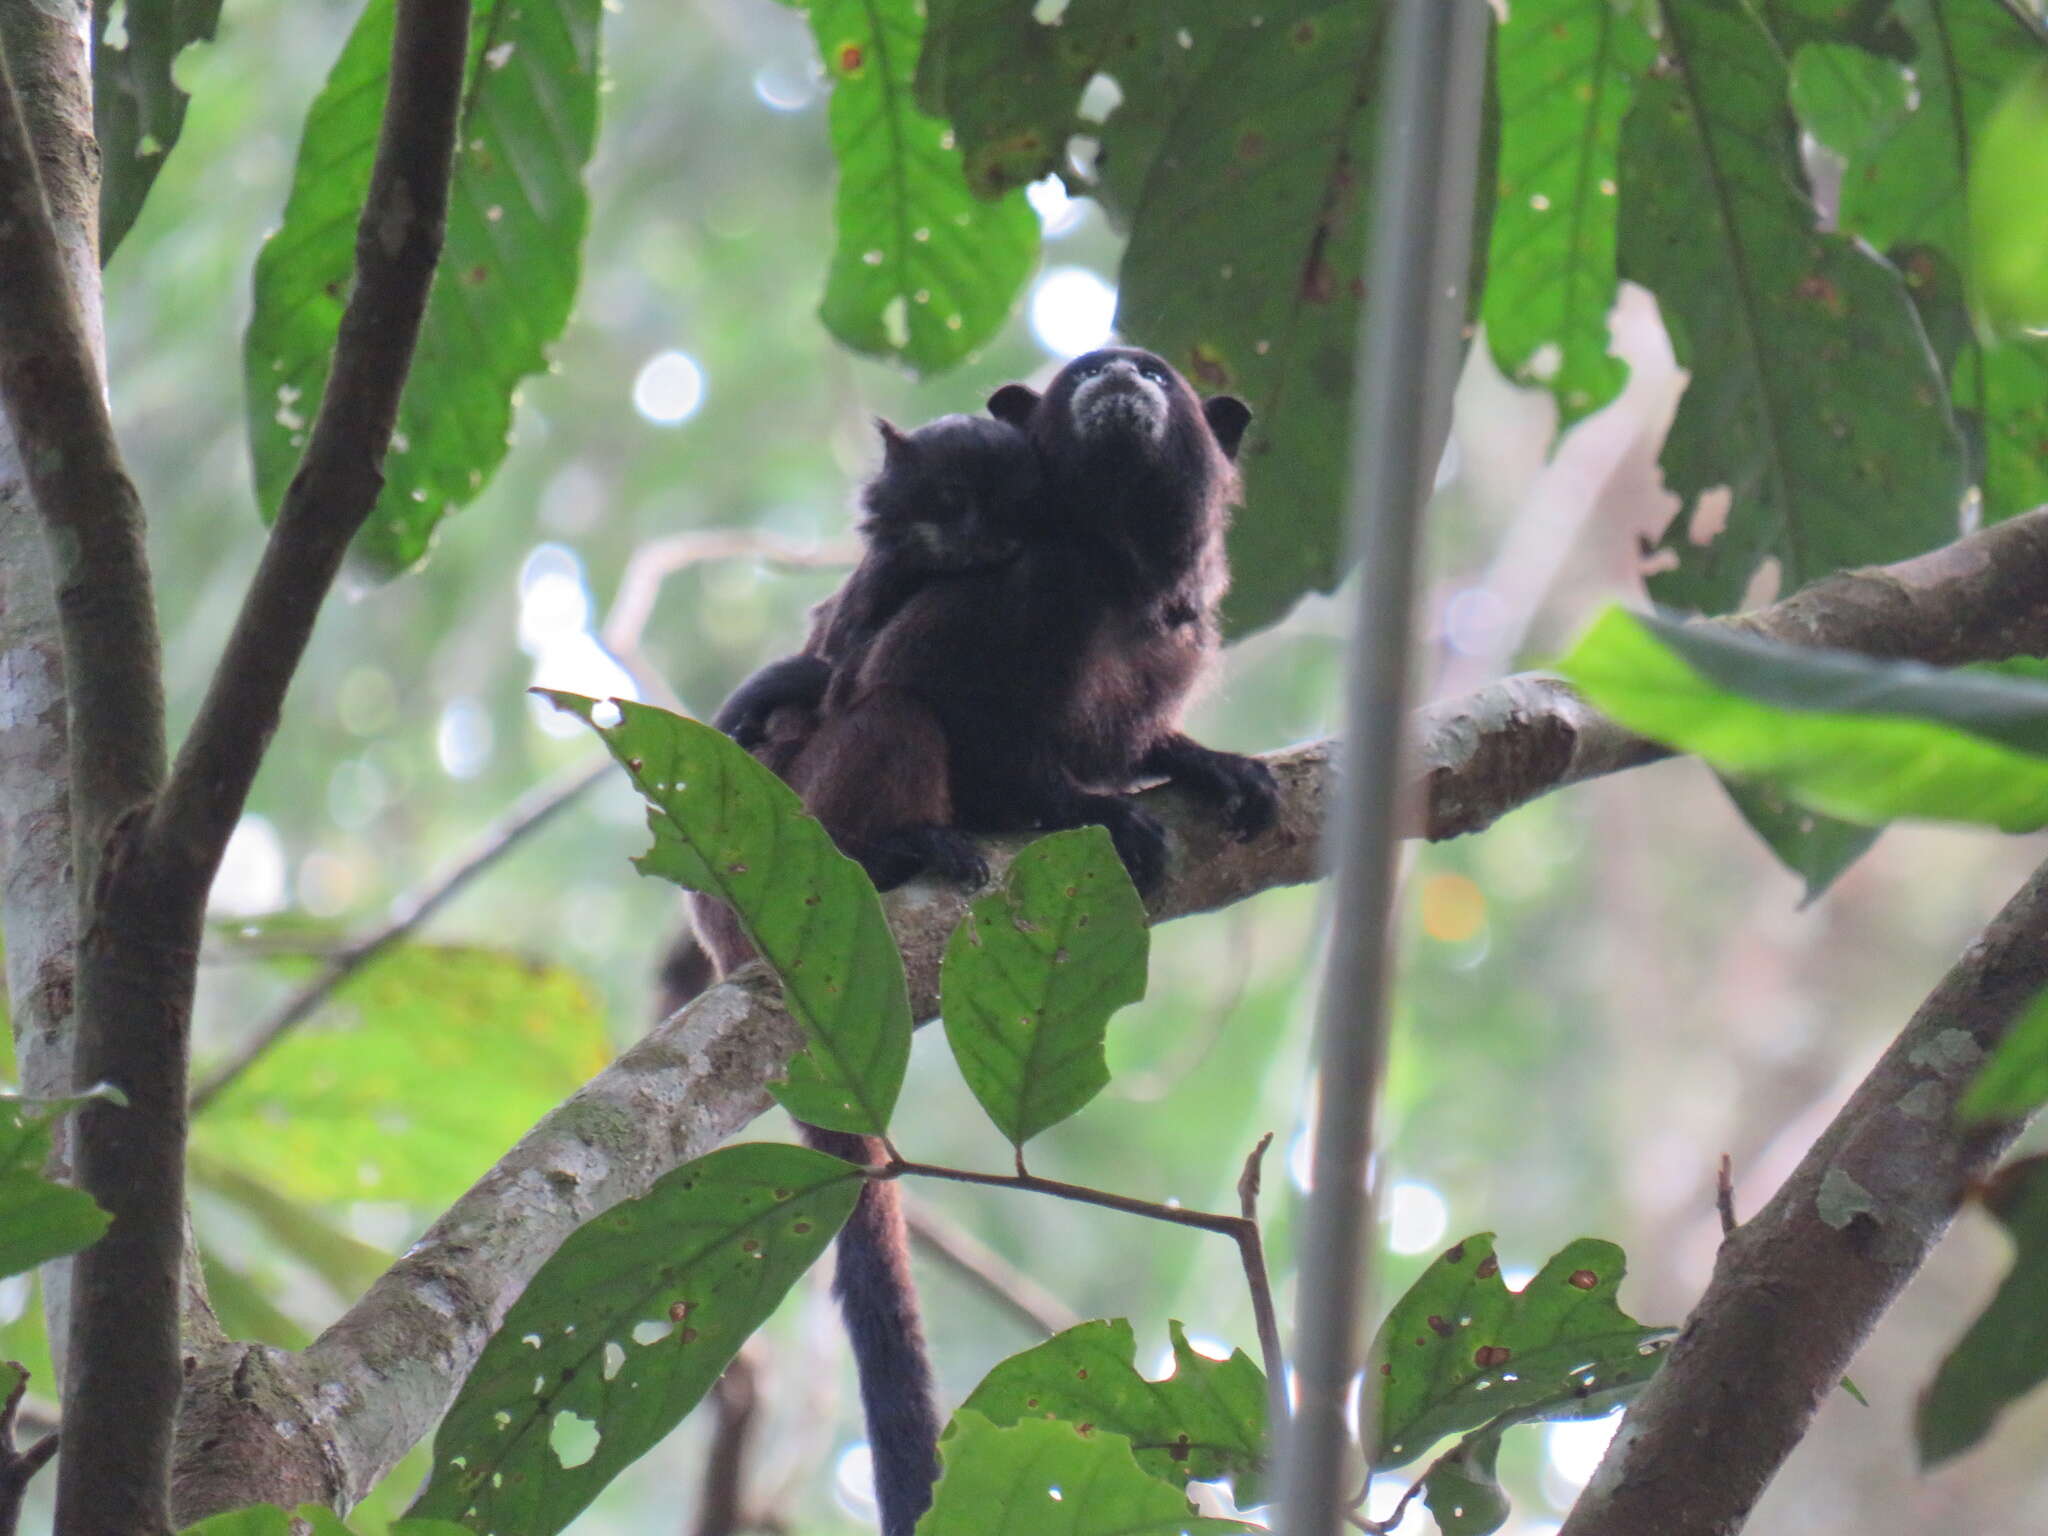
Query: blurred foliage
(138,109)
(39,1219)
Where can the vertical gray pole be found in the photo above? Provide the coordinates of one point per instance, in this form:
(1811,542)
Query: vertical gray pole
(1418,269)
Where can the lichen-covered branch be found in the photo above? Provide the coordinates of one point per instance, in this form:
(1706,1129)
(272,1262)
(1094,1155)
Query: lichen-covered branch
(325,1424)
(1799,1286)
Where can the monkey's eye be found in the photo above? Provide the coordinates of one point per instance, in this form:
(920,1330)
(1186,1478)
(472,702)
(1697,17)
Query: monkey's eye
(1157,376)
(1088,370)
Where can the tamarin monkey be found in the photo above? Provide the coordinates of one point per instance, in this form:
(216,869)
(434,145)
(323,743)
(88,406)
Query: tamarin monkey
(1030,689)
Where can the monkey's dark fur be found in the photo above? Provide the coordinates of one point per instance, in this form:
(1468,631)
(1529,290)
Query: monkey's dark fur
(955,495)
(1029,690)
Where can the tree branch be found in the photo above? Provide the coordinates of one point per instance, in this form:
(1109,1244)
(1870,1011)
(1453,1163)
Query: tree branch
(377,1381)
(1798,1287)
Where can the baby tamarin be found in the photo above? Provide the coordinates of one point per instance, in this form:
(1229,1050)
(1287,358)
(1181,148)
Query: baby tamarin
(1025,690)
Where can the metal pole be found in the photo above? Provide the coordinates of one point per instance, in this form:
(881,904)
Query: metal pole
(1432,92)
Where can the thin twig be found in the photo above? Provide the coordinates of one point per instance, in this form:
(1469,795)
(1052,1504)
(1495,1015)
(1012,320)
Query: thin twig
(525,816)
(653,563)
(1024,1298)
(1724,1196)
(1251,1250)
(735,1400)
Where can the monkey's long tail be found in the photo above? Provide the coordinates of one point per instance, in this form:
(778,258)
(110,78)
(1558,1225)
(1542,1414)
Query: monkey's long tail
(879,1302)
(876,1297)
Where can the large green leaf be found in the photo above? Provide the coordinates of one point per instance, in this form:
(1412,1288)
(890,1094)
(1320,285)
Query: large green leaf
(355,1103)
(1865,740)
(726,826)
(1815,404)
(1032,975)
(1567,71)
(2008,214)
(137,109)
(625,1328)
(1814,847)
(2006,392)
(1044,1477)
(1244,268)
(1460,1348)
(38,1219)
(1206,1421)
(508,273)
(2004,1354)
(922,269)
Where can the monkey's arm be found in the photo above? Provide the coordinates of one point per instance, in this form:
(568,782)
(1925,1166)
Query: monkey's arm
(798,680)
(1241,787)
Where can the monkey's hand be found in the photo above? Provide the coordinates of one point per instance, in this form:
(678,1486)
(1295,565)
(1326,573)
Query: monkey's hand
(1242,788)
(910,851)
(1139,838)
(795,680)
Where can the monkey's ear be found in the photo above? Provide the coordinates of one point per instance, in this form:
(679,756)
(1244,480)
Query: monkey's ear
(1014,403)
(897,448)
(1227,416)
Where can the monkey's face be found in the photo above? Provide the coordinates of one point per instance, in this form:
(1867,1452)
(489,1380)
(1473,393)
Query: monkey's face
(1119,392)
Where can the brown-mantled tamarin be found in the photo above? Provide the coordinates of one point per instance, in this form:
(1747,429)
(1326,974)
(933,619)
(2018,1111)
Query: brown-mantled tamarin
(1030,691)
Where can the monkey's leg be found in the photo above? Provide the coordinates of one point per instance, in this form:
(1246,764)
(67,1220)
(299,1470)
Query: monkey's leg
(1242,788)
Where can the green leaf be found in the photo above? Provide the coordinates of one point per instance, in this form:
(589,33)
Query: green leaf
(508,273)
(726,826)
(1567,71)
(1460,1348)
(2007,392)
(1868,741)
(1206,1421)
(346,1263)
(1245,268)
(254,1520)
(1815,406)
(2004,1354)
(2008,215)
(1043,1477)
(625,1328)
(922,269)
(2014,1082)
(1032,975)
(38,1219)
(1462,1488)
(137,109)
(1814,847)
(356,1103)
(1850,99)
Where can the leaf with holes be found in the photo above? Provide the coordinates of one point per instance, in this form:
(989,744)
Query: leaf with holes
(1044,1477)
(1462,1487)
(1245,263)
(625,1328)
(2004,1354)
(40,1219)
(726,826)
(922,269)
(1816,417)
(1868,741)
(1460,1348)
(1567,71)
(1205,1421)
(507,276)
(138,111)
(1032,975)
(354,1103)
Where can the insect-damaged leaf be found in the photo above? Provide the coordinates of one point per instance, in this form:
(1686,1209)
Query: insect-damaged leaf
(1868,741)
(138,111)
(2004,1355)
(516,214)
(922,269)
(1815,404)
(1032,975)
(1460,1348)
(726,826)
(1045,1477)
(625,1328)
(1205,1421)
(1567,70)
